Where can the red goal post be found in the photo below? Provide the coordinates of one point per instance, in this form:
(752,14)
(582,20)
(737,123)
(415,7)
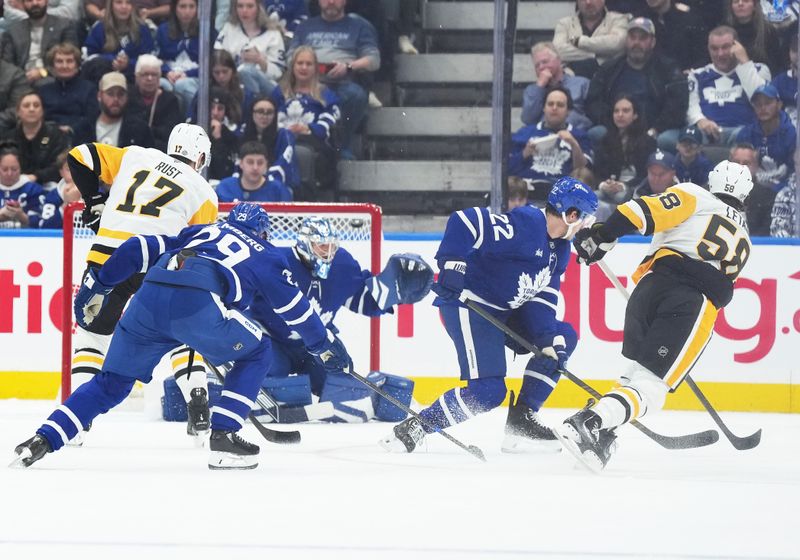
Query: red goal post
(359,226)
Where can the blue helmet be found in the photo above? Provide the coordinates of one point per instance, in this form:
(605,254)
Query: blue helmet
(569,193)
(250,218)
(317,243)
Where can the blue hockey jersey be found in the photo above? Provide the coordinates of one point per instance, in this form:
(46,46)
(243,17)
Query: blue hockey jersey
(290,12)
(228,262)
(52,216)
(319,116)
(546,164)
(273,190)
(725,97)
(511,261)
(345,286)
(776,150)
(29,195)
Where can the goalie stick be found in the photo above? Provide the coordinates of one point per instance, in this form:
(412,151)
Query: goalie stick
(473,450)
(740,443)
(689,441)
(273,436)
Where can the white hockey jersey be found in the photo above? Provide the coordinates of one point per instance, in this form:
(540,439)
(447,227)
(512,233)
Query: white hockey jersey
(150,193)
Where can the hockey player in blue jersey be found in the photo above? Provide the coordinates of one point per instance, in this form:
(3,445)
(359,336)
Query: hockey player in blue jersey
(511,265)
(196,285)
(331,278)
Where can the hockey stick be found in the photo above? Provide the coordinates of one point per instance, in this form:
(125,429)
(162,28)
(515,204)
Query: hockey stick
(740,443)
(273,436)
(688,441)
(471,449)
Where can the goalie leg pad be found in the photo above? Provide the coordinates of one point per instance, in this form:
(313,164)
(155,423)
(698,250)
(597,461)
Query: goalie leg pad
(173,405)
(352,400)
(292,390)
(400,388)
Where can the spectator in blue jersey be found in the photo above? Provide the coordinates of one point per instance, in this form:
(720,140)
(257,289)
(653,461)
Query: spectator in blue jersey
(543,152)
(222,133)
(757,36)
(333,280)
(253,184)
(786,83)
(680,31)
(58,196)
(720,92)
(69,100)
(550,73)
(289,13)
(510,265)
(620,160)
(347,50)
(20,198)
(38,142)
(692,165)
(654,81)
(762,197)
(256,45)
(773,135)
(179,48)
(116,41)
(660,175)
(310,111)
(784,209)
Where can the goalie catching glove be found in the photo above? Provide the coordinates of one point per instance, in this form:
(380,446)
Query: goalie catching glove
(91,299)
(406,278)
(593,243)
(330,351)
(93,210)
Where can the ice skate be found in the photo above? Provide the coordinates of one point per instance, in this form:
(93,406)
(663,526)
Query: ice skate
(405,437)
(525,433)
(228,451)
(197,409)
(80,437)
(30,451)
(581,435)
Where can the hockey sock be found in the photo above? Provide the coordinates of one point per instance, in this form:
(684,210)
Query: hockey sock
(240,389)
(536,387)
(638,391)
(462,403)
(88,355)
(186,379)
(99,395)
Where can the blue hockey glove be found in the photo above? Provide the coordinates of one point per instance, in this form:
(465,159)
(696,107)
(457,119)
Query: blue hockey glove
(406,278)
(451,280)
(591,245)
(332,354)
(549,361)
(91,299)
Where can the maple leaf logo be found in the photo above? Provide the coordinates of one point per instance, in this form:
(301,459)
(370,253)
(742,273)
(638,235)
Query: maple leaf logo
(528,287)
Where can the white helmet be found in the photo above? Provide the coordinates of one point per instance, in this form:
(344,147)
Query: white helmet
(732,179)
(190,141)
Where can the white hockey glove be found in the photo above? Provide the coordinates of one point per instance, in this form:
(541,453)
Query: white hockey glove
(91,299)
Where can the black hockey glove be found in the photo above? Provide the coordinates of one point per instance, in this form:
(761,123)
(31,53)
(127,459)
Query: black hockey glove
(93,210)
(591,244)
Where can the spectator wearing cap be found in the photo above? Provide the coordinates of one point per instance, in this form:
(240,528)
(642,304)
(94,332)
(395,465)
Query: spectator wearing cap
(654,81)
(692,165)
(660,174)
(254,183)
(222,133)
(550,73)
(774,137)
(620,161)
(761,198)
(159,108)
(25,43)
(115,125)
(720,92)
(681,34)
(544,152)
(590,37)
(69,100)
(786,83)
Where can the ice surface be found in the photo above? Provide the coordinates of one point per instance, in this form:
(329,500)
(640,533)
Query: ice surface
(139,489)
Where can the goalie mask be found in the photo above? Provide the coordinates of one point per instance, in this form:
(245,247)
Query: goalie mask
(316,245)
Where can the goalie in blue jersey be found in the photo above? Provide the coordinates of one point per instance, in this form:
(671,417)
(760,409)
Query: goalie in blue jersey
(196,285)
(511,265)
(331,278)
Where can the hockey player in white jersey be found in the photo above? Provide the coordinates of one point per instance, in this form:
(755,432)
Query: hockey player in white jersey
(148,192)
(700,245)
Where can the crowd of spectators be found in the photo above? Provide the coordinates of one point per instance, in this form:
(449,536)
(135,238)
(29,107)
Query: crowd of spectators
(652,85)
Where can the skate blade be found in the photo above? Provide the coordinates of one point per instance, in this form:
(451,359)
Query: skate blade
(19,461)
(523,445)
(220,461)
(589,461)
(393,445)
(200,438)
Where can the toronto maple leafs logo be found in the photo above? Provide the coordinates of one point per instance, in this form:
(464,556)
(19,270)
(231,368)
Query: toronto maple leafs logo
(725,90)
(552,161)
(295,113)
(528,287)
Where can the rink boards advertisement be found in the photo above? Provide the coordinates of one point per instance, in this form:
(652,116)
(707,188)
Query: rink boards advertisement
(750,364)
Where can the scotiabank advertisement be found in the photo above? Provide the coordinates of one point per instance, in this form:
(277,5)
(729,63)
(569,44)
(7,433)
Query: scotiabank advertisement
(757,337)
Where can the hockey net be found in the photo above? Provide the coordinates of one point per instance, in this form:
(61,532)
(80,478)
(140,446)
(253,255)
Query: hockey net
(360,232)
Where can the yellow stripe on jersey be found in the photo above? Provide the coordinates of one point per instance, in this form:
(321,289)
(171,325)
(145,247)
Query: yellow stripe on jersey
(695,343)
(656,213)
(114,234)
(96,257)
(648,263)
(109,159)
(207,214)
